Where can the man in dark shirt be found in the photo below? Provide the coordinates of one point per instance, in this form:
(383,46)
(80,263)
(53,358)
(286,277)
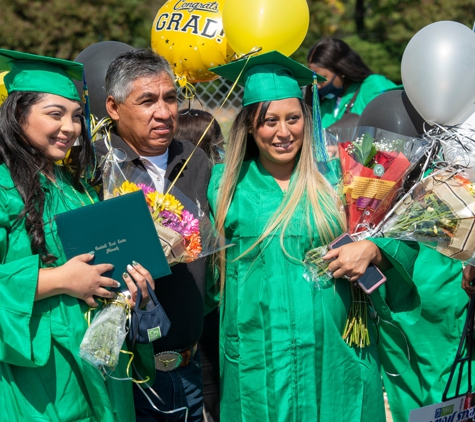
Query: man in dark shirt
(142,102)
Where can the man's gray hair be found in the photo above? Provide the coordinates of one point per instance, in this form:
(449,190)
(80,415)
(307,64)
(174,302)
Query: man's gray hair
(131,65)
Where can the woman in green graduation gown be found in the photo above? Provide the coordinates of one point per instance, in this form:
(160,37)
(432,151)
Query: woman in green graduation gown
(45,297)
(282,353)
(350,83)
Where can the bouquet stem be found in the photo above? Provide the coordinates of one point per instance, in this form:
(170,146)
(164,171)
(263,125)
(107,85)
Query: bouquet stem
(356,328)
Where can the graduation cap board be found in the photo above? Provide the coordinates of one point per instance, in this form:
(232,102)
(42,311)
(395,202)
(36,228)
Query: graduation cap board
(30,72)
(268,77)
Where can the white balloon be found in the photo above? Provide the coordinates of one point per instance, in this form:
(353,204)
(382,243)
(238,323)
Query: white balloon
(438,72)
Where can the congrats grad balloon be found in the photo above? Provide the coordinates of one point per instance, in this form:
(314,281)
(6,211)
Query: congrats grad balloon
(190,36)
(266,24)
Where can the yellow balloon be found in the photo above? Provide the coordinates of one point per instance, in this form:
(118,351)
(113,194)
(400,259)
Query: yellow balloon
(190,36)
(266,24)
(3,90)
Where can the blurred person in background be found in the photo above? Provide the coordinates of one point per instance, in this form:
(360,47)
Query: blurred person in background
(192,124)
(350,83)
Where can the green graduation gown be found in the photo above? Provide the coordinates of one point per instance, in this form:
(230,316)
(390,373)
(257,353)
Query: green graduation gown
(371,87)
(42,377)
(432,341)
(282,354)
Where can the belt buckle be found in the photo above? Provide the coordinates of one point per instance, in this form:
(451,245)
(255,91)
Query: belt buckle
(167,361)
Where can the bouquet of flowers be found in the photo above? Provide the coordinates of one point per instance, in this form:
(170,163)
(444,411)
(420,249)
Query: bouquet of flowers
(178,228)
(439,212)
(373,168)
(185,232)
(374,164)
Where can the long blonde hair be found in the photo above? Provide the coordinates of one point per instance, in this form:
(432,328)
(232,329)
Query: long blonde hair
(308,187)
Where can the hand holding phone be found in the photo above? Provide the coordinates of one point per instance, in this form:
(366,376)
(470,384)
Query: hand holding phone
(372,277)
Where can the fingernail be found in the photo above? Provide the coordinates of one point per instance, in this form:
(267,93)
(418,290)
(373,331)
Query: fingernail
(130,268)
(117,284)
(125,275)
(134,263)
(92,253)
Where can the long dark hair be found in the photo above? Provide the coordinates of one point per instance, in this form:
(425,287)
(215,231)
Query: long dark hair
(336,55)
(25,163)
(191,125)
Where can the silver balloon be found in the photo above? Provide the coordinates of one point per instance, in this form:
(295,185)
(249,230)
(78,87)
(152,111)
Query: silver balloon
(438,72)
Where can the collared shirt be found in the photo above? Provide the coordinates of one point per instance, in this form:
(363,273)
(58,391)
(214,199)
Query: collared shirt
(156,167)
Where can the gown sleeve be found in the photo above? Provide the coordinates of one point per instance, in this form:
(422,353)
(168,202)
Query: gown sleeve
(398,299)
(25,329)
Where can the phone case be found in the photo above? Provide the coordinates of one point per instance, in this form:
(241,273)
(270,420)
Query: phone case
(372,277)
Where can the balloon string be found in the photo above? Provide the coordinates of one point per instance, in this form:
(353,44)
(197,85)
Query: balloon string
(186,89)
(209,125)
(250,54)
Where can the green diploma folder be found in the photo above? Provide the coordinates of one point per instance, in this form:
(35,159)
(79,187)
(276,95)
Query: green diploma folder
(119,230)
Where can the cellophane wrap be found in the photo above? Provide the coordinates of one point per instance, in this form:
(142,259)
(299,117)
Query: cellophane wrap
(105,336)
(185,231)
(374,164)
(439,212)
(316,269)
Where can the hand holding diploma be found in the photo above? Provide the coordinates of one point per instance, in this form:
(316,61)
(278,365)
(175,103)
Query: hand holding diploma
(76,278)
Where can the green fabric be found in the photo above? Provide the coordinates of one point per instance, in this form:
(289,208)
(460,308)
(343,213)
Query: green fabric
(42,377)
(30,72)
(268,77)
(371,87)
(282,357)
(433,340)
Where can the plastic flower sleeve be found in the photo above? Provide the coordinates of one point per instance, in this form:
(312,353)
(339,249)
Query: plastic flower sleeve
(111,172)
(374,164)
(439,212)
(105,336)
(316,269)
(185,231)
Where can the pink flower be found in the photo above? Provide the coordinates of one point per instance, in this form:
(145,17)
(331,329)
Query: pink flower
(146,189)
(189,223)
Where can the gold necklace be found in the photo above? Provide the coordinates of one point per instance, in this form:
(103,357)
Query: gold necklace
(57,172)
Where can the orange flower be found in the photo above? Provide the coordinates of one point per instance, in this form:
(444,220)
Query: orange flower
(193,246)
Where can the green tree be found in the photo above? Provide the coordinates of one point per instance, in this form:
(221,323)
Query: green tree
(379,30)
(63,29)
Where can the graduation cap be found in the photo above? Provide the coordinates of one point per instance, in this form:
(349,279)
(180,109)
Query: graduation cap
(268,77)
(30,72)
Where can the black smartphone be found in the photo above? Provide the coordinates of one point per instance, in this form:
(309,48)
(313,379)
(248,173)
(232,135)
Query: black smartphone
(372,277)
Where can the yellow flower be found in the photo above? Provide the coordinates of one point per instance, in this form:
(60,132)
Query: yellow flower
(161,202)
(126,187)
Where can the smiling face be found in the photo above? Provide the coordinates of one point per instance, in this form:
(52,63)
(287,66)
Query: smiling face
(280,138)
(53,125)
(147,119)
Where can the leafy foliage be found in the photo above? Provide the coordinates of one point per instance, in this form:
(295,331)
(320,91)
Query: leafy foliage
(378,29)
(387,27)
(64,28)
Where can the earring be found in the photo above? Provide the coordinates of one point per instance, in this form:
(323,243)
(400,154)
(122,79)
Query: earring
(343,76)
